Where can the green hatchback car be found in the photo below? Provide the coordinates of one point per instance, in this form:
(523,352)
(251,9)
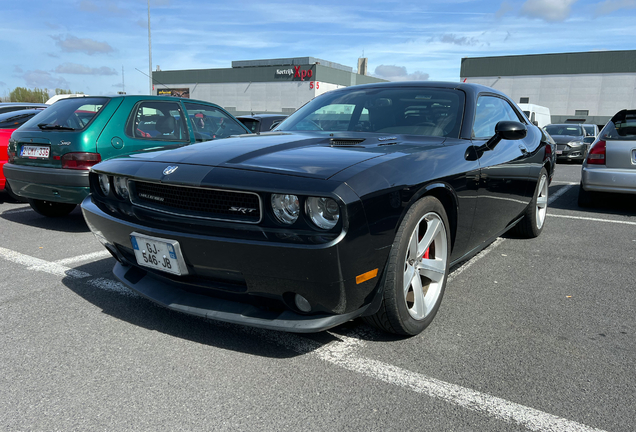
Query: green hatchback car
(51,154)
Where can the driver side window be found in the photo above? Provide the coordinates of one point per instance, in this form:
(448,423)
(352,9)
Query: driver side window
(490,111)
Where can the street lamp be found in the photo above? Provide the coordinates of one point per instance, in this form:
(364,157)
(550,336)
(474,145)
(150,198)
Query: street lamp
(149,52)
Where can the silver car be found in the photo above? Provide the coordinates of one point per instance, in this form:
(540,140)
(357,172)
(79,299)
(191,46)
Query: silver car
(610,165)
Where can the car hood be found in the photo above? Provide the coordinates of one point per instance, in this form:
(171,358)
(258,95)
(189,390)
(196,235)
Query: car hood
(318,155)
(564,139)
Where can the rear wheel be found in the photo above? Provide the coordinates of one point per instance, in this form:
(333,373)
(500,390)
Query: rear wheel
(417,270)
(534,216)
(51,209)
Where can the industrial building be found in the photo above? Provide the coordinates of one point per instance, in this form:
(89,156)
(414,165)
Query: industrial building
(261,86)
(587,86)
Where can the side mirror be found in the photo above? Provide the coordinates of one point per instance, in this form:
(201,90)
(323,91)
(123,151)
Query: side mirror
(510,130)
(536,123)
(589,139)
(507,130)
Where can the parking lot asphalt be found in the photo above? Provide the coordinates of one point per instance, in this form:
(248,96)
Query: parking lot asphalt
(531,335)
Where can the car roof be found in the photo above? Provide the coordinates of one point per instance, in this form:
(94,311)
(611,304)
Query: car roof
(143,97)
(466,87)
(23,104)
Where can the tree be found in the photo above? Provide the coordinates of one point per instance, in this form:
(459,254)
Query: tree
(21,94)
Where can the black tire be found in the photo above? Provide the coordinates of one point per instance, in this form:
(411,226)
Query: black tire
(586,198)
(51,209)
(403,310)
(533,221)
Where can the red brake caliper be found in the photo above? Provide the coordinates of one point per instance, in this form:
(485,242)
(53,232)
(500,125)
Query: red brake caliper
(425,256)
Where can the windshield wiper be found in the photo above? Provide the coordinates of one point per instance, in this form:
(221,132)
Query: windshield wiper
(54,126)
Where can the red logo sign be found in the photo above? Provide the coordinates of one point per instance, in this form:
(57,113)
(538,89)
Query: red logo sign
(302,74)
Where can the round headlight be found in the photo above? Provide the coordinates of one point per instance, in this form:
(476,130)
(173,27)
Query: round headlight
(324,212)
(286,208)
(104,184)
(121,187)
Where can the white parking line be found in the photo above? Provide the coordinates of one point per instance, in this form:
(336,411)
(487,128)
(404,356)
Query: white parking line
(88,257)
(593,219)
(22,210)
(476,258)
(553,197)
(41,265)
(342,354)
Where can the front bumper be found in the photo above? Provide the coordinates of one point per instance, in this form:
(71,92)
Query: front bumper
(246,281)
(571,153)
(602,179)
(49,184)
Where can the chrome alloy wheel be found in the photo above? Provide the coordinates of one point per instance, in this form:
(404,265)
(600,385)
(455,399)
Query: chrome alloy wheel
(542,201)
(425,265)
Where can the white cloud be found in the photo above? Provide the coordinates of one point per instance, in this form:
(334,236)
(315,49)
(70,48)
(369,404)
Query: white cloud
(450,38)
(398,73)
(73,68)
(609,6)
(43,79)
(548,10)
(86,46)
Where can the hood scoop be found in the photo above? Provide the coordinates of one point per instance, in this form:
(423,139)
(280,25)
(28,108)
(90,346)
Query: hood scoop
(345,142)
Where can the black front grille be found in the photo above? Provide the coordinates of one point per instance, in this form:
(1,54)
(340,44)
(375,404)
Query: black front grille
(198,202)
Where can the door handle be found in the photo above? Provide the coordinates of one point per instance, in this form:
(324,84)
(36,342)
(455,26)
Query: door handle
(523,149)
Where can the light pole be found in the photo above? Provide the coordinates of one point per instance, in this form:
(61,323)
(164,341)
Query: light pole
(149,52)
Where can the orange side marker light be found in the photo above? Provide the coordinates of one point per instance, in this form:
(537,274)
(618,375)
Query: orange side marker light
(366,276)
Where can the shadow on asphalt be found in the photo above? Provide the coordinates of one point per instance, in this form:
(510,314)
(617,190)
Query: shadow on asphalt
(604,203)
(138,311)
(72,223)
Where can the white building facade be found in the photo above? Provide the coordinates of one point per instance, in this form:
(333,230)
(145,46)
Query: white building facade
(260,86)
(590,87)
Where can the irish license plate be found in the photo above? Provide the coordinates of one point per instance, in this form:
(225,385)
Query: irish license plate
(40,152)
(157,253)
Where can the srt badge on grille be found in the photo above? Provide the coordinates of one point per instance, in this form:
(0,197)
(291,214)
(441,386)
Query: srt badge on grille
(169,170)
(244,210)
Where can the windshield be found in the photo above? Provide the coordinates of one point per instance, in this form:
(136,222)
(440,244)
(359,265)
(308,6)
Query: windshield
(569,130)
(589,130)
(13,119)
(67,114)
(395,110)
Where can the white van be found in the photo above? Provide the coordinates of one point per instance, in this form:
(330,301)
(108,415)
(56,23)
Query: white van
(63,96)
(537,114)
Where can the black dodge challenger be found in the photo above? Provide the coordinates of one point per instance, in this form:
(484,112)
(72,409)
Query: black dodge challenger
(354,206)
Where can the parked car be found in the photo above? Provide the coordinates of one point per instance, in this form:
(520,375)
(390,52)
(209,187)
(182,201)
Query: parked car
(10,121)
(590,129)
(51,154)
(303,230)
(258,123)
(570,140)
(16,106)
(611,163)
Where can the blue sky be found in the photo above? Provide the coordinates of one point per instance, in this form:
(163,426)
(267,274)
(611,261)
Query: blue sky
(82,45)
